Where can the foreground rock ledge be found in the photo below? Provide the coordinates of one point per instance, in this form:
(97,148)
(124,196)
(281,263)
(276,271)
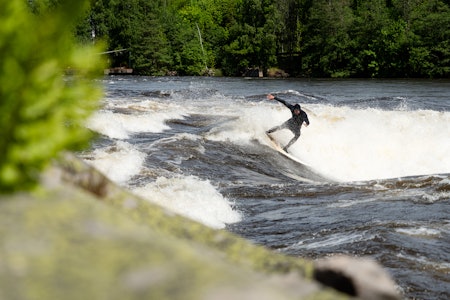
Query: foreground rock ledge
(83,237)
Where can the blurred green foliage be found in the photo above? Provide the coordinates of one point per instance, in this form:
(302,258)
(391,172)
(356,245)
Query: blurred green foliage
(47,88)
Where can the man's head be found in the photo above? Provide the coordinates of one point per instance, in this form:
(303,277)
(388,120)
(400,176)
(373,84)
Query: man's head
(297,109)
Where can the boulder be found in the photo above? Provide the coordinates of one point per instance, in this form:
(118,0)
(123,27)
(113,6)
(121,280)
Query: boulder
(82,237)
(359,277)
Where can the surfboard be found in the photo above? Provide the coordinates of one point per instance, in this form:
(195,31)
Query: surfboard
(274,144)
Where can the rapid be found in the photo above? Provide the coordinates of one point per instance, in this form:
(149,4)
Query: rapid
(377,180)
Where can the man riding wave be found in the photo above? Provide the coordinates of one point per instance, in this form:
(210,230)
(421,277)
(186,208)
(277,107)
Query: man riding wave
(294,124)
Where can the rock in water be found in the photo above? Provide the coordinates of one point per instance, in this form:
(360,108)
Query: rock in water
(359,277)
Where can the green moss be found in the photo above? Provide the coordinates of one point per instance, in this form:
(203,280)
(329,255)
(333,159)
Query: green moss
(67,245)
(236,249)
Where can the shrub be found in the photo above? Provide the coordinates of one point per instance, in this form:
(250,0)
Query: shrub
(47,88)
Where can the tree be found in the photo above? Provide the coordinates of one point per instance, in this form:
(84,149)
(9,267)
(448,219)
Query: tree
(328,47)
(430,49)
(381,41)
(291,28)
(148,45)
(336,38)
(252,40)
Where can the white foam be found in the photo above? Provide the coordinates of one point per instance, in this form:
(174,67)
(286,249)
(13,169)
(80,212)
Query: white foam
(193,198)
(107,124)
(419,231)
(119,163)
(251,124)
(146,116)
(436,196)
(332,241)
(354,144)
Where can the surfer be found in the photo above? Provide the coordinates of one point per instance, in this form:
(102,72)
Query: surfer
(293,124)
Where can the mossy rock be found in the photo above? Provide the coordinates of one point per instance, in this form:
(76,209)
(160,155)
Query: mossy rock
(236,249)
(83,237)
(67,245)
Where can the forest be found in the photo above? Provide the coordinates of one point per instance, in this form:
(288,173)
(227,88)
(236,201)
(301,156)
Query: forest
(303,38)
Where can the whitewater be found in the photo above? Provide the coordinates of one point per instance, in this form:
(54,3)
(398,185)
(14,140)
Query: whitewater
(377,180)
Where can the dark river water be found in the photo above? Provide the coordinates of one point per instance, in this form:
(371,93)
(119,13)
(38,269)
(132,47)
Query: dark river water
(375,183)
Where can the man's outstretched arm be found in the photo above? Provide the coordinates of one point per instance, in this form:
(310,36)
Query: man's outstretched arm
(272,97)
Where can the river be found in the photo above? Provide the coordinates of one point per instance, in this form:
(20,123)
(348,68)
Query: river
(376,183)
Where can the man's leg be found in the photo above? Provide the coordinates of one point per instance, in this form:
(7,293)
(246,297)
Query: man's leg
(285,125)
(274,129)
(293,140)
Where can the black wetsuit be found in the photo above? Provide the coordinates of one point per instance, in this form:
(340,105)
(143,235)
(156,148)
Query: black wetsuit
(293,124)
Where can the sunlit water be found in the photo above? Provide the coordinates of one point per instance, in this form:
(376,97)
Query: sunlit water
(377,182)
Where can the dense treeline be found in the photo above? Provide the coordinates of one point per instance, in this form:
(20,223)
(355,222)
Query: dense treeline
(322,38)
